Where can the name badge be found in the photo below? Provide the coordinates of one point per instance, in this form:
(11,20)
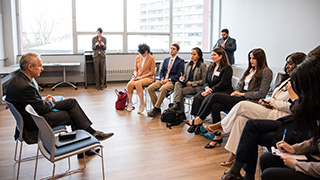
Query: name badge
(217,73)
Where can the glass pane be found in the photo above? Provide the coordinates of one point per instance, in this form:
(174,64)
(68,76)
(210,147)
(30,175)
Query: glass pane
(43,29)
(114,43)
(107,14)
(157,43)
(191,20)
(148,16)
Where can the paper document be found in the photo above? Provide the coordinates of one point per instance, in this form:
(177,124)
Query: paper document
(276,152)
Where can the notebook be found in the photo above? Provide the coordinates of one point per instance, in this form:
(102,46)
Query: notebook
(276,152)
(80,136)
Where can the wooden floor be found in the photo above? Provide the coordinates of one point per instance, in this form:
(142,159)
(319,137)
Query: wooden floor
(142,147)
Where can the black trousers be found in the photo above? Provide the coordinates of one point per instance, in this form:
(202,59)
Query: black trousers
(273,168)
(256,132)
(215,103)
(70,113)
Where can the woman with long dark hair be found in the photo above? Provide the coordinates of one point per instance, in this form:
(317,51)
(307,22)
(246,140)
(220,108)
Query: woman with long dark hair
(218,79)
(253,86)
(192,80)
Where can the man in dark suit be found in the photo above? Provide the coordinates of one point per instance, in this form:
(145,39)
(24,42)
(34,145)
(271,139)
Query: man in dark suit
(228,44)
(172,68)
(22,91)
(99,45)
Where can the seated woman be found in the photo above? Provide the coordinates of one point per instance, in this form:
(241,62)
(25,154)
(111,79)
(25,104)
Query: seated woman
(143,75)
(253,86)
(192,81)
(218,79)
(303,123)
(274,107)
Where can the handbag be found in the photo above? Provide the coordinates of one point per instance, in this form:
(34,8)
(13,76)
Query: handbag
(121,99)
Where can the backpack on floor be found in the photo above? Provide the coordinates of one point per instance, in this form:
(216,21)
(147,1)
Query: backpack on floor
(121,99)
(171,117)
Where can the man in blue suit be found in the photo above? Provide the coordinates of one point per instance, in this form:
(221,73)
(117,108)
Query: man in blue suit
(228,44)
(172,68)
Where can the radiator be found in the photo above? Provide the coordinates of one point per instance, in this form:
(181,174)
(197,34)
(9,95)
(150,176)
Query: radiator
(119,75)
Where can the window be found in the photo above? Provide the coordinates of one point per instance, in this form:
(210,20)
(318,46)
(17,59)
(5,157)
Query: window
(192,22)
(114,43)
(107,14)
(48,27)
(43,30)
(156,43)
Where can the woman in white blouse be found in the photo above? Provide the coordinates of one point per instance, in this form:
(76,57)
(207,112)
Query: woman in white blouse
(274,107)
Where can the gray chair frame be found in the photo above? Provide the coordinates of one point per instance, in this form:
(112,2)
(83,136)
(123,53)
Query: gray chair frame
(46,140)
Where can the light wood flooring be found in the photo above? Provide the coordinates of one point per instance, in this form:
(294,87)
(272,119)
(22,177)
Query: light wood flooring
(142,147)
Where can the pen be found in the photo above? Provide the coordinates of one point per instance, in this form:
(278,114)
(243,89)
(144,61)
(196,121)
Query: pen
(284,136)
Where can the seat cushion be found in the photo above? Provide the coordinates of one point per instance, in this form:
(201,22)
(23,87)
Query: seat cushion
(75,146)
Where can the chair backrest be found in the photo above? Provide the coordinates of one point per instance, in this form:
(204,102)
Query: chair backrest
(18,118)
(46,134)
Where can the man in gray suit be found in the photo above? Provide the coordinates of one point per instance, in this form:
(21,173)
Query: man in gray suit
(228,44)
(99,45)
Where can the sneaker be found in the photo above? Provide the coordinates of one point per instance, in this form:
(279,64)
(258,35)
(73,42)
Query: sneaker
(129,107)
(141,108)
(155,112)
(101,135)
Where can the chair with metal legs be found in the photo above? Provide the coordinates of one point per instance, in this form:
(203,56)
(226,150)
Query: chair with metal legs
(48,144)
(19,127)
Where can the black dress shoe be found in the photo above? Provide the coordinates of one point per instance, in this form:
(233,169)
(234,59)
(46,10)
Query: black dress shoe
(191,129)
(89,153)
(102,136)
(155,112)
(231,176)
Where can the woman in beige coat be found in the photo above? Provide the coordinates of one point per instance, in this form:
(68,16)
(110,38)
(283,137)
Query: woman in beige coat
(143,76)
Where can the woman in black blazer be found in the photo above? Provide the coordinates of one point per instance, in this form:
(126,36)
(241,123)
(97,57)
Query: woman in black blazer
(218,79)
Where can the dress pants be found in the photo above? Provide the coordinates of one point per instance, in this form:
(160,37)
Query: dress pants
(138,85)
(70,113)
(99,63)
(256,132)
(216,103)
(273,168)
(236,119)
(180,90)
(157,101)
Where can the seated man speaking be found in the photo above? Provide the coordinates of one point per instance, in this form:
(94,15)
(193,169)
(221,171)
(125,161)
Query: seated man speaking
(22,91)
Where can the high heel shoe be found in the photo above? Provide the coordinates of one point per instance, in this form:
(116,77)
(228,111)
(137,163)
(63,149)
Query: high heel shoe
(218,141)
(227,163)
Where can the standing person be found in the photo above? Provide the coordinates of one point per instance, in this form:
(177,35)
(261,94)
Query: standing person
(253,86)
(274,107)
(99,45)
(218,79)
(191,82)
(143,75)
(228,44)
(171,70)
(304,89)
(21,91)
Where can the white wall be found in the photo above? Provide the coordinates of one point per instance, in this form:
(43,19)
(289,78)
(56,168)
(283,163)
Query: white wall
(280,27)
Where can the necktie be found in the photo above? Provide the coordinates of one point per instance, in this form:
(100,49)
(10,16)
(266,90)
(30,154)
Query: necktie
(169,68)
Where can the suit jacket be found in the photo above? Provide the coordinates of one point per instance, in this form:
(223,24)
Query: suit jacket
(21,92)
(176,69)
(99,50)
(148,67)
(198,75)
(259,92)
(220,82)
(230,48)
